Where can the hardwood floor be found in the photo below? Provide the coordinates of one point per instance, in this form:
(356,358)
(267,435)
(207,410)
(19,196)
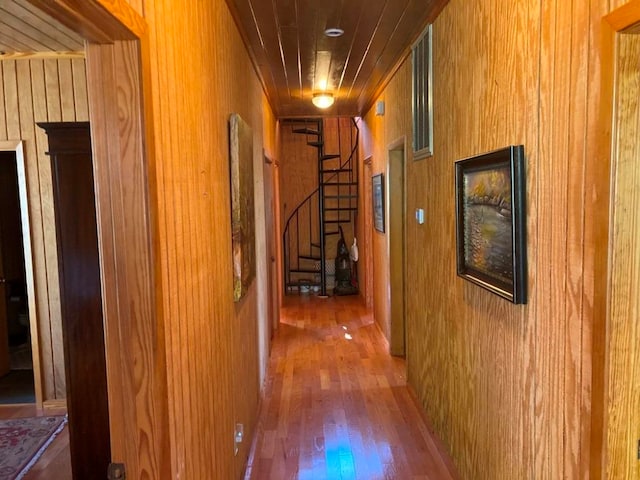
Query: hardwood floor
(55,462)
(336,404)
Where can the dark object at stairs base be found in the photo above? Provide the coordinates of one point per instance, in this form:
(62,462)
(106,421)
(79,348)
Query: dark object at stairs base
(345,290)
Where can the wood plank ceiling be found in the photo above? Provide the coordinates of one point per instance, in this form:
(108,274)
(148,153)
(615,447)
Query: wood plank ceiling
(294,58)
(25,30)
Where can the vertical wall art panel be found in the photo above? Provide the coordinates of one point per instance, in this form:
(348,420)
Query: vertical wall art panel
(242,206)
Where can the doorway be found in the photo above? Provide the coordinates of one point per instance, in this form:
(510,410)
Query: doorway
(622,391)
(17,384)
(270,181)
(117,56)
(396,216)
(366,249)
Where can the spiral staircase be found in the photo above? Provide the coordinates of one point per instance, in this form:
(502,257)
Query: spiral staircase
(313,228)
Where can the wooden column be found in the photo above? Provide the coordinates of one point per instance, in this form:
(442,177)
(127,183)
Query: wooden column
(80,297)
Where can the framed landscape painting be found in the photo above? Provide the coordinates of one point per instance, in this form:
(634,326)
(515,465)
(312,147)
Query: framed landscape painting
(242,205)
(490,221)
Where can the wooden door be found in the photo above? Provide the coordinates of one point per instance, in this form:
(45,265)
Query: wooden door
(270,231)
(396,237)
(80,297)
(365,250)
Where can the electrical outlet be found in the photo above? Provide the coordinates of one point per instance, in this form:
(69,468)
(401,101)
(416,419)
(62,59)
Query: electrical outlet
(237,437)
(116,471)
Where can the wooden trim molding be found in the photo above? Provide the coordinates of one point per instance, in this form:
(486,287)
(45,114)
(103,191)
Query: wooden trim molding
(99,21)
(55,404)
(16,146)
(625,18)
(133,336)
(40,55)
(136,368)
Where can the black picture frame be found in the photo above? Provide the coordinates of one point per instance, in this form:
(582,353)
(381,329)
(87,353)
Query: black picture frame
(377,195)
(491,222)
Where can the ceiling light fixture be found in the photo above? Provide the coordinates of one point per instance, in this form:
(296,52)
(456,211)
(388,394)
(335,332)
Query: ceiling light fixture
(334,32)
(323,99)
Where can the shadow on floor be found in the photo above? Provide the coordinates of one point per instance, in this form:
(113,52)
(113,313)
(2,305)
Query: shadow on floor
(17,387)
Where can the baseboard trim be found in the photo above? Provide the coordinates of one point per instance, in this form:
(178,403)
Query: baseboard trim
(439,444)
(257,431)
(55,404)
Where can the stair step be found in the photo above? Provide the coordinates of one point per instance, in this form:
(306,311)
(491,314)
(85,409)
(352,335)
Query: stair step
(340,209)
(330,156)
(302,284)
(338,184)
(316,245)
(304,270)
(306,131)
(338,221)
(332,233)
(336,170)
(315,144)
(339,197)
(299,285)
(309,257)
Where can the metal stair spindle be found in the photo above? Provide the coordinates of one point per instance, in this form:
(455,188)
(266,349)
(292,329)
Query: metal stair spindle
(323,270)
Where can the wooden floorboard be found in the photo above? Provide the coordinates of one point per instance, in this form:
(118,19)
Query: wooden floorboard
(336,405)
(55,462)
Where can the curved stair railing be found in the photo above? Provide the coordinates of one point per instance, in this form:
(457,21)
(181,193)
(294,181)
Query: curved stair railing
(323,212)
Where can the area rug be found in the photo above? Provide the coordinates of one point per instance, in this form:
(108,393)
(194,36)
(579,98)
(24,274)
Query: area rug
(23,441)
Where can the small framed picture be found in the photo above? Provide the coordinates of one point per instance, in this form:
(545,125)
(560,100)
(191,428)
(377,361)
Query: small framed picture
(377,193)
(490,211)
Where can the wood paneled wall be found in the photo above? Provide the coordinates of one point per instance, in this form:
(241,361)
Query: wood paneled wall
(508,388)
(379,134)
(298,170)
(185,355)
(211,343)
(43,91)
(134,334)
(624,331)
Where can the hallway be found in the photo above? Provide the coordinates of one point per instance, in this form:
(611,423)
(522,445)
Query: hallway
(336,405)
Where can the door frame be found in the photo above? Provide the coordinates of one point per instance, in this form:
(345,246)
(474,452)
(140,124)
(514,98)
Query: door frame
(622,20)
(118,84)
(365,275)
(16,147)
(271,287)
(396,206)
